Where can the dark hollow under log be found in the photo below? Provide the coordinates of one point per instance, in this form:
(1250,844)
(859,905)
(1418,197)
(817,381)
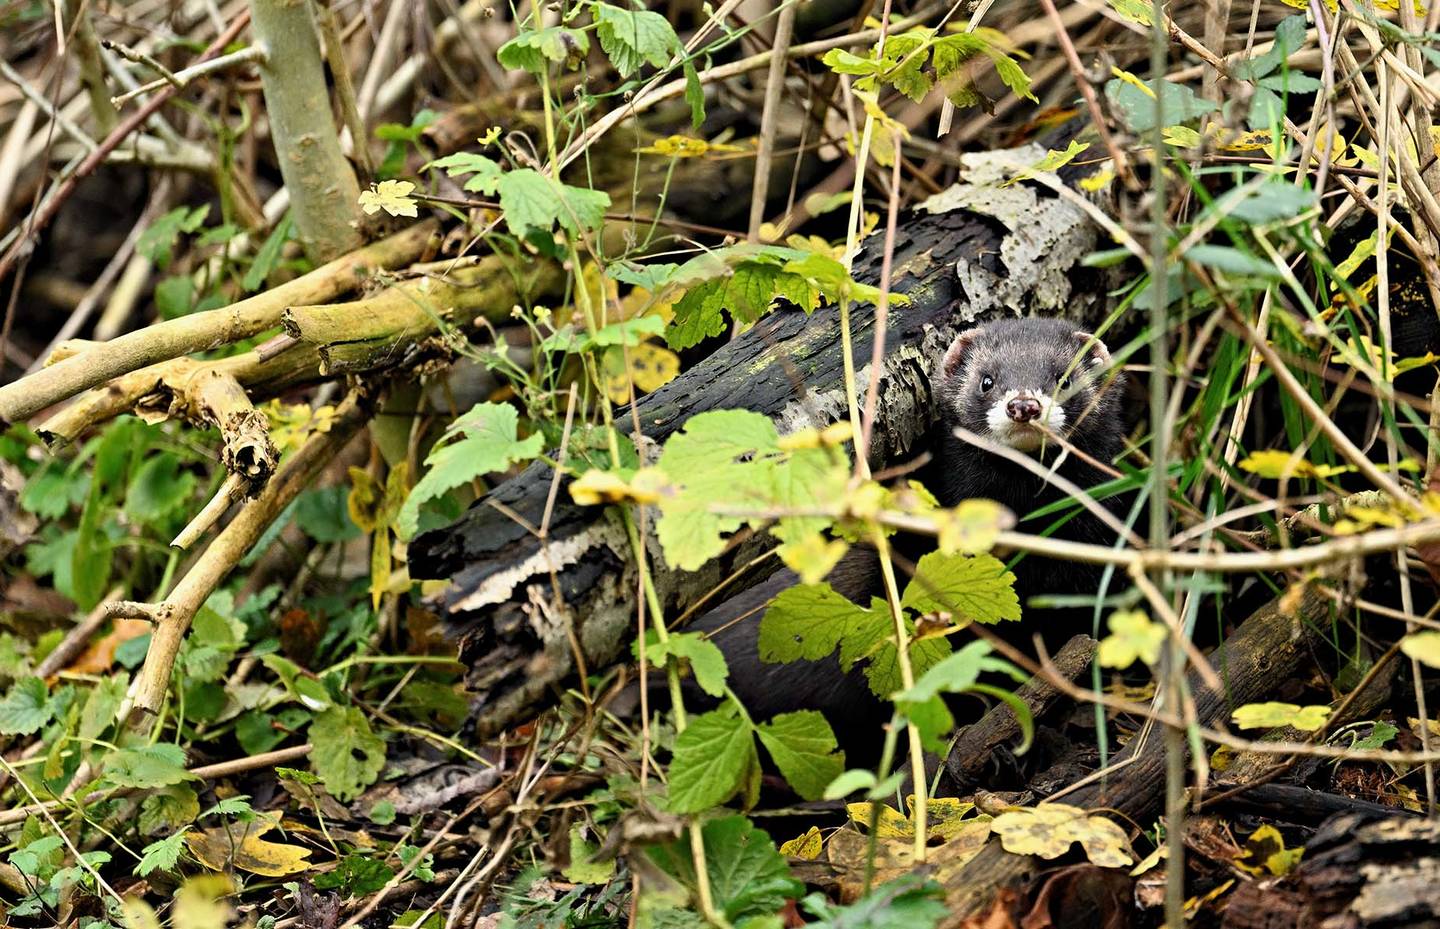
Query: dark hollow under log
(520,604)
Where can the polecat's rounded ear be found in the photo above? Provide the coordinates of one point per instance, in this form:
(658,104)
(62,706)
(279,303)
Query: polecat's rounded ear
(955,356)
(1093,346)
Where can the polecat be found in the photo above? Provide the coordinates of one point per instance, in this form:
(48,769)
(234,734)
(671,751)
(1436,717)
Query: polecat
(1017,382)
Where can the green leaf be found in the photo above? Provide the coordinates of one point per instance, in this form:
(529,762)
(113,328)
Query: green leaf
(174,296)
(712,757)
(101,706)
(694,94)
(490,444)
(748,876)
(25,708)
(158,765)
(533,202)
(957,673)
(911,901)
(1231,261)
(163,855)
(810,621)
(168,809)
(582,869)
(268,255)
(804,748)
(158,241)
(1271,201)
(1137,108)
(157,489)
(487,172)
(534,49)
(704,658)
(347,754)
(633,37)
(843,62)
(1289,37)
(976,588)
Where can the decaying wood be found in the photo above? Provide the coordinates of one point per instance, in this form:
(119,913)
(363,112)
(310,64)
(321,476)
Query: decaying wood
(974,747)
(1264,651)
(1358,871)
(982,250)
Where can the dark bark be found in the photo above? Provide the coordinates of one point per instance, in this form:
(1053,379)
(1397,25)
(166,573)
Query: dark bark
(518,604)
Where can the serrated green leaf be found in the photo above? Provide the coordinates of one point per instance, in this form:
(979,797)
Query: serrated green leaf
(158,765)
(749,879)
(163,855)
(633,37)
(486,172)
(489,444)
(976,588)
(1137,108)
(911,901)
(712,757)
(533,202)
(810,621)
(703,657)
(534,49)
(804,748)
(347,754)
(25,708)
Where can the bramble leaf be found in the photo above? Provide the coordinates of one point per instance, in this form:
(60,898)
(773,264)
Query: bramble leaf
(347,754)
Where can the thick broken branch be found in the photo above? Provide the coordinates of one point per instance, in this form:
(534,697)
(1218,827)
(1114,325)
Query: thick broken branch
(173,615)
(204,331)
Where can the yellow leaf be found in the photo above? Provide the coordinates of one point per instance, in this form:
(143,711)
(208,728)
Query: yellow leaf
(650,368)
(812,557)
(139,914)
(1424,647)
(391,196)
(1265,851)
(837,433)
(491,136)
(242,846)
(363,501)
(1048,830)
(1133,637)
(892,824)
(1272,715)
(972,527)
(1098,181)
(1181,136)
(1052,162)
(648,485)
(679,146)
(200,903)
(806,846)
(1131,79)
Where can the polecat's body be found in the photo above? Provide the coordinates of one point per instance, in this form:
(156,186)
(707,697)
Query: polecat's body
(1002,381)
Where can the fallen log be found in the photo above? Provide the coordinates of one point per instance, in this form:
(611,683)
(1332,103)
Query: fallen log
(526,582)
(1266,650)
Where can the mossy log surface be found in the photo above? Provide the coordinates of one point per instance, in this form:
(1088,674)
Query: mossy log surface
(518,604)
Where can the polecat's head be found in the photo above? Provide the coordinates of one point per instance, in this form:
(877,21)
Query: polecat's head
(1014,380)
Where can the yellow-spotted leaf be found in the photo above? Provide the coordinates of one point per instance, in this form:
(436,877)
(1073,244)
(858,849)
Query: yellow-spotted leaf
(1048,830)
(1265,852)
(807,845)
(650,368)
(646,485)
(1133,637)
(242,845)
(1273,715)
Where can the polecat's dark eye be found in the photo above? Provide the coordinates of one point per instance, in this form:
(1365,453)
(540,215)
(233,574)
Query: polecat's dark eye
(1063,382)
(986,382)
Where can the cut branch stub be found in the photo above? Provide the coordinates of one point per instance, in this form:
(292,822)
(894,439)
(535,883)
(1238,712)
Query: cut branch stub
(985,251)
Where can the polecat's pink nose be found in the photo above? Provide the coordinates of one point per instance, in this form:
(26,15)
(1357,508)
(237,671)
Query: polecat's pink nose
(1023,409)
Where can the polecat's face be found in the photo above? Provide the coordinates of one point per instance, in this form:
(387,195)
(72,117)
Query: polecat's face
(1020,382)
